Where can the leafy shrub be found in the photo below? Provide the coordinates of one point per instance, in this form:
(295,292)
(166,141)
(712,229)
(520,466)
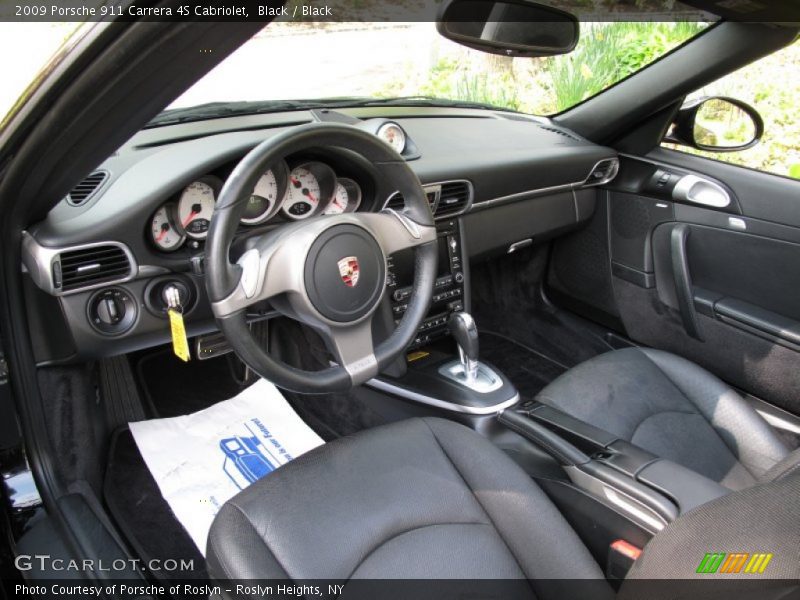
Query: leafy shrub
(610,52)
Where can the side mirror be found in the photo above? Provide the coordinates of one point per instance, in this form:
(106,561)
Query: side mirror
(509,27)
(717,124)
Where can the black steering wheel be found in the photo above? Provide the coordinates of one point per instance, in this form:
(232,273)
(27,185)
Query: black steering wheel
(327,272)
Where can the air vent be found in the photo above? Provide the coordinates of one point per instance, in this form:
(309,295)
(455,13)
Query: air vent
(454,198)
(603,172)
(81,193)
(561,132)
(87,267)
(397,202)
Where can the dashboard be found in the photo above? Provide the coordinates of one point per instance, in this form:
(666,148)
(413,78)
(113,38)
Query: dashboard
(97,267)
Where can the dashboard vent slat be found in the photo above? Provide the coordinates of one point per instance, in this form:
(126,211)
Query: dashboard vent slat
(396,202)
(445,199)
(82,192)
(454,198)
(87,267)
(561,132)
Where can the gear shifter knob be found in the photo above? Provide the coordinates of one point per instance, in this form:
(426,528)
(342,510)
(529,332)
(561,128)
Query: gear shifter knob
(465,332)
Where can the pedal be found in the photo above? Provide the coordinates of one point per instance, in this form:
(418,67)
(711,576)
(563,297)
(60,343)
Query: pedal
(211,346)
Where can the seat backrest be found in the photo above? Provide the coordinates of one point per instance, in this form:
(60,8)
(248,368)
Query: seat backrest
(746,527)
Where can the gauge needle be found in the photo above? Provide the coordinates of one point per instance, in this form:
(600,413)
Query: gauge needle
(164,231)
(196,209)
(191,216)
(305,191)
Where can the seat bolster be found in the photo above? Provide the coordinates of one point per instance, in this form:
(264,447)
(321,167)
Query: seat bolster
(764,518)
(743,430)
(234,540)
(785,468)
(539,537)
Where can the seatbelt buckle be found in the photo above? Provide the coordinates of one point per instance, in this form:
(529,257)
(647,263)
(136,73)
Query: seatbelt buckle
(621,556)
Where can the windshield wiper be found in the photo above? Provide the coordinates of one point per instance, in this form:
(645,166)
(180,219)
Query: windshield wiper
(214,110)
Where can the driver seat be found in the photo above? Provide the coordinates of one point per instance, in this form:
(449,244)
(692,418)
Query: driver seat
(431,499)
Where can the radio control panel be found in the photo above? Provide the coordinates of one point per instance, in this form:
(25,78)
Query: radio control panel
(449,288)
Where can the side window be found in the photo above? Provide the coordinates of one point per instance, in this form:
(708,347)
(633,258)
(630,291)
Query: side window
(770,85)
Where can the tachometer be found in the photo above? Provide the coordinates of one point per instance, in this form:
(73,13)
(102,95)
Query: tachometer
(165,235)
(196,206)
(346,198)
(304,192)
(264,202)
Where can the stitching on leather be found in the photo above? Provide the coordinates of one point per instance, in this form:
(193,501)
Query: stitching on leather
(469,487)
(787,472)
(219,562)
(402,533)
(547,445)
(733,451)
(258,535)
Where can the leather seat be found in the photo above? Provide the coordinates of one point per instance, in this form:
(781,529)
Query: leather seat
(673,409)
(428,499)
(424,498)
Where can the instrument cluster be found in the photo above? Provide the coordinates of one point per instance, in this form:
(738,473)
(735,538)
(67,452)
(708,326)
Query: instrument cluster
(281,194)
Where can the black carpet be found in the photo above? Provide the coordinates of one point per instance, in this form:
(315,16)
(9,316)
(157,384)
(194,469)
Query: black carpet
(175,388)
(527,369)
(507,299)
(142,514)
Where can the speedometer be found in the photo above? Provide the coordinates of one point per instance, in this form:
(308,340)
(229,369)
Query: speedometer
(346,197)
(195,207)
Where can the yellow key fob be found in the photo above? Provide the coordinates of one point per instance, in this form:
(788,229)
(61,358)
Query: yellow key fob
(180,345)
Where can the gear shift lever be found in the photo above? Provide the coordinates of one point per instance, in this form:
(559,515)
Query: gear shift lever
(465,332)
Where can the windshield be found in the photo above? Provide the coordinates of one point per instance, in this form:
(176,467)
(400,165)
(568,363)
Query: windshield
(302,61)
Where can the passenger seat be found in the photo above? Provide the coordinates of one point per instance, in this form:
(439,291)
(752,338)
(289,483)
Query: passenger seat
(674,409)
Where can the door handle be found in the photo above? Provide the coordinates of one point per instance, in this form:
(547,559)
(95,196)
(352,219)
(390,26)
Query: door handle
(697,190)
(683,280)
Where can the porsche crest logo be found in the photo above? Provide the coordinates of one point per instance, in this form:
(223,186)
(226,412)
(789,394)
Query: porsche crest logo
(348,269)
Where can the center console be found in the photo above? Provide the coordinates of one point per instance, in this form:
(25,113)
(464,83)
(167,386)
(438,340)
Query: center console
(442,369)
(450,292)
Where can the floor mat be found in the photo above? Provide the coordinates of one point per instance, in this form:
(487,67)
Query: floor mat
(174,387)
(199,461)
(528,370)
(141,513)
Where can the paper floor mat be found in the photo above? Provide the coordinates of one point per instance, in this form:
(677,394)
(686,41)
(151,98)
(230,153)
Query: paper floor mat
(201,460)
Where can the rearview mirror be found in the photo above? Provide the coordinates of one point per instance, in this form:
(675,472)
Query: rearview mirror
(509,27)
(717,124)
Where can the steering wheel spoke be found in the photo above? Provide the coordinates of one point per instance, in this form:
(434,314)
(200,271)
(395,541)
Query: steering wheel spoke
(395,231)
(262,275)
(353,349)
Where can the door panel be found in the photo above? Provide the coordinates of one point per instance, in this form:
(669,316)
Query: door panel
(719,286)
